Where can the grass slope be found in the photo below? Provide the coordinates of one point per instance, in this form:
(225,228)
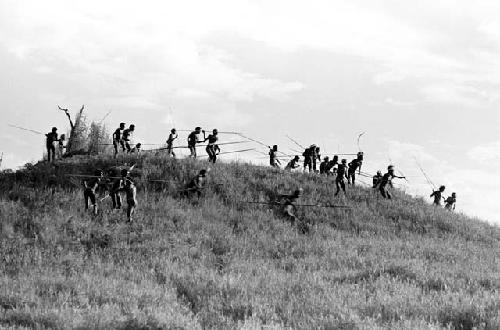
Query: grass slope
(218,263)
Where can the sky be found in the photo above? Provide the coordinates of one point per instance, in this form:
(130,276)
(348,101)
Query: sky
(420,78)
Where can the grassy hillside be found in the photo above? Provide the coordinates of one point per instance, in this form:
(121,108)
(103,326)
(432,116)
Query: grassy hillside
(222,264)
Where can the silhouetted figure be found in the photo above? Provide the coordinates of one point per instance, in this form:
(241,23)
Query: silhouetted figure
(377,178)
(273,157)
(354,165)
(193,139)
(323,167)
(196,185)
(450,202)
(438,195)
(341,175)
(51,148)
(117,138)
(61,145)
(386,182)
(131,194)
(212,148)
(127,137)
(331,165)
(170,142)
(118,186)
(311,155)
(288,201)
(293,164)
(89,191)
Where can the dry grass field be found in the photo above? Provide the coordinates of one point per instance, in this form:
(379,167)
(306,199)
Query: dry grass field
(218,263)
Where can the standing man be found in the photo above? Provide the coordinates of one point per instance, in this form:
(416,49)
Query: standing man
(273,157)
(307,159)
(127,137)
(51,148)
(193,139)
(386,181)
(212,148)
(438,195)
(117,138)
(341,175)
(170,142)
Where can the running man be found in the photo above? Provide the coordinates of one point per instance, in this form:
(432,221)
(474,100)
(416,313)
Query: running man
(170,142)
(386,181)
(438,195)
(193,139)
(212,148)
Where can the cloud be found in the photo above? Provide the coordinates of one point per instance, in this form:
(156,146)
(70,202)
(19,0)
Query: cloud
(486,153)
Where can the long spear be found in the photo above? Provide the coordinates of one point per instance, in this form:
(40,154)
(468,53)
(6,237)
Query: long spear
(359,137)
(305,205)
(400,172)
(220,132)
(261,143)
(230,152)
(425,175)
(105,116)
(199,145)
(295,142)
(26,129)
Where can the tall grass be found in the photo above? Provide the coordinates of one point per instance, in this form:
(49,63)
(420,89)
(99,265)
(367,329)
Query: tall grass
(219,263)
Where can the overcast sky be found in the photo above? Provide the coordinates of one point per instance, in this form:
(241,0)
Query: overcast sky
(421,78)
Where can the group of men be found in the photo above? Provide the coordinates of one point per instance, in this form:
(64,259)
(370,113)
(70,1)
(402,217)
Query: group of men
(449,203)
(344,171)
(122,138)
(116,185)
(212,147)
(119,184)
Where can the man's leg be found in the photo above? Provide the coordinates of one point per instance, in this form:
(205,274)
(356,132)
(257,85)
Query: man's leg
(338,187)
(93,201)
(86,198)
(130,209)
(342,184)
(382,191)
(115,146)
